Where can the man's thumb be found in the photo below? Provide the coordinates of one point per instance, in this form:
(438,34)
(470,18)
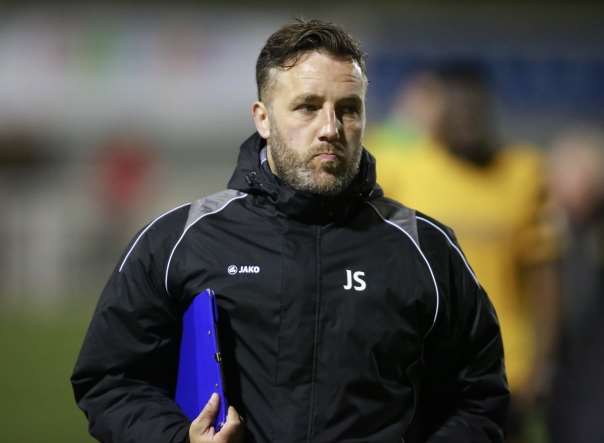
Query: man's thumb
(207,415)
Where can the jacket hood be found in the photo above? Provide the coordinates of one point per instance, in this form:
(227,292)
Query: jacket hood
(252,178)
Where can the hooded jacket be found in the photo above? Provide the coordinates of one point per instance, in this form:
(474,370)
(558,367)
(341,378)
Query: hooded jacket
(342,319)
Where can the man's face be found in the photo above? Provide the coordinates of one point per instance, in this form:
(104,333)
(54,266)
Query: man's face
(465,121)
(314,122)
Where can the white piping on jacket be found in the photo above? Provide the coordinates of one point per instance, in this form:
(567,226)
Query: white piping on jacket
(422,255)
(143,233)
(465,262)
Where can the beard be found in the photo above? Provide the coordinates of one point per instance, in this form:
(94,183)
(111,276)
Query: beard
(303,172)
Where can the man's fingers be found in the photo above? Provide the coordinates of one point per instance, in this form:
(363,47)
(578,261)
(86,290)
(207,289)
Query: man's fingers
(231,432)
(233,416)
(206,417)
(233,428)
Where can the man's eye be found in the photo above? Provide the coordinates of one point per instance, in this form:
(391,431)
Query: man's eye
(307,108)
(349,110)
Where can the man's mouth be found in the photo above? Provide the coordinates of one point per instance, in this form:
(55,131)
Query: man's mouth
(330,153)
(327,156)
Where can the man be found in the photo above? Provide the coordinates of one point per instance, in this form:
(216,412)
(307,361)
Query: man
(576,178)
(359,314)
(494,197)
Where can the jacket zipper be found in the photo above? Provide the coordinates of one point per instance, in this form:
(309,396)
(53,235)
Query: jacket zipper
(315,355)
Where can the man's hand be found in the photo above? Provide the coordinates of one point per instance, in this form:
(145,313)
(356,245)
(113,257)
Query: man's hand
(202,431)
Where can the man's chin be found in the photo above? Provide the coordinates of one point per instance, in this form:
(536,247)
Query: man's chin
(325,168)
(333,168)
(326,183)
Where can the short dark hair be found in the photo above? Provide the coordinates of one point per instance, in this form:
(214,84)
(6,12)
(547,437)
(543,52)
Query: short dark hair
(284,47)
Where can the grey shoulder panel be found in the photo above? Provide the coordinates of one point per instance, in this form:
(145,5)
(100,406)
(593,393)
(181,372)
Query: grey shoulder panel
(211,203)
(398,214)
(199,209)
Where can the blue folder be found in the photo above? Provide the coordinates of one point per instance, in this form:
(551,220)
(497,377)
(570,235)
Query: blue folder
(200,362)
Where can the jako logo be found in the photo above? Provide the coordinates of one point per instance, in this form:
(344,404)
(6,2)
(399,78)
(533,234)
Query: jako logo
(233,269)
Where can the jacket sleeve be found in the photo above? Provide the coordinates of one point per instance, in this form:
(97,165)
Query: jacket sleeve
(464,394)
(125,374)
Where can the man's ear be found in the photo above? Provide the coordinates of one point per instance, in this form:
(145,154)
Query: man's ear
(261,120)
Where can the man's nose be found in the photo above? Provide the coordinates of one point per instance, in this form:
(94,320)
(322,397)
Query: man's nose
(330,126)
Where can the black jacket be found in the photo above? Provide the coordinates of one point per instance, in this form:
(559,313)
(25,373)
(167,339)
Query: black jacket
(349,319)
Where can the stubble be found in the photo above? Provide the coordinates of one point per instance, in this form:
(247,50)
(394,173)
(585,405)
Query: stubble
(298,170)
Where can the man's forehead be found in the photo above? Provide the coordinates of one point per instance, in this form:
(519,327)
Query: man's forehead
(318,70)
(318,63)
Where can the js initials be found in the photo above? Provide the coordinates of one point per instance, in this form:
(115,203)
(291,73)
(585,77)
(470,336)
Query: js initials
(359,283)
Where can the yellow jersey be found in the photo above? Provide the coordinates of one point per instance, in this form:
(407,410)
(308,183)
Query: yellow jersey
(499,215)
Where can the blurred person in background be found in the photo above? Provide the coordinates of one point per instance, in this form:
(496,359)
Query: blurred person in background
(412,116)
(346,325)
(126,167)
(577,182)
(494,197)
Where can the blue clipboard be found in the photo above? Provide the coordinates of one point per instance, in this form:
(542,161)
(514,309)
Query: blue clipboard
(200,361)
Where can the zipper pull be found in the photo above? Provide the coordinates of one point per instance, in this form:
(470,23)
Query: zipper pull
(251,179)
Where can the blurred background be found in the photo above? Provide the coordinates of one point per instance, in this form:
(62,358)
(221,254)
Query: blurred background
(112,113)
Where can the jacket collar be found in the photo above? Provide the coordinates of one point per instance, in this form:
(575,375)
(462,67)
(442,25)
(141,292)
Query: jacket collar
(251,177)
